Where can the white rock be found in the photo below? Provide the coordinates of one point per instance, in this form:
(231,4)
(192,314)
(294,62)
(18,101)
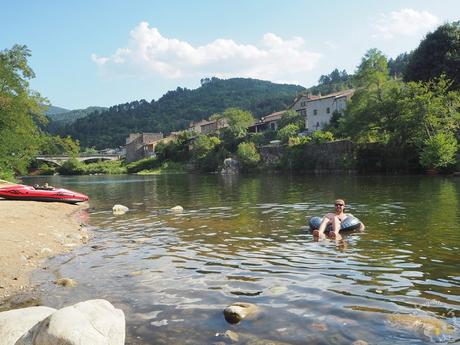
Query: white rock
(119,209)
(14,323)
(93,322)
(177,209)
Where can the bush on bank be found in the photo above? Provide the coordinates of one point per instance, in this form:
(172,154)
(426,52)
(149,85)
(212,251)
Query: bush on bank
(75,167)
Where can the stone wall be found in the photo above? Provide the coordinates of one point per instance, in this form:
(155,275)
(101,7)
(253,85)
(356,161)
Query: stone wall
(339,157)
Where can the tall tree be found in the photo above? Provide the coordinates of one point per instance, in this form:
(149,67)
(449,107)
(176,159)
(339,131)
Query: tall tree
(397,66)
(20,108)
(238,121)
(367,115)
(438,53)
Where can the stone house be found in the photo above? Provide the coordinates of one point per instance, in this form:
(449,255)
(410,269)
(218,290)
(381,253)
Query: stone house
(208,126)
(138,145)
(318,109)
(269,122)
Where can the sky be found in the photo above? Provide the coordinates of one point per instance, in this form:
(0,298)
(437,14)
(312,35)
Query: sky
(108,52)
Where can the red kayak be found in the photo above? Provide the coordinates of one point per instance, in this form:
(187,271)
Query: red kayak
(41,193)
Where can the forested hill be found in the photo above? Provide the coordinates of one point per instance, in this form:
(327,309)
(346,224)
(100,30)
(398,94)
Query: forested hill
(52,110)
(69,116)
(176,109)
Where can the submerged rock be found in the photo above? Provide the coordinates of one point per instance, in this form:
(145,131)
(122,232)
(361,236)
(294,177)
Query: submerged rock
(238,311)
(119,209)
(360,342)
(66,282)
(229,336)
(93,322)
(14,323)
(427,326)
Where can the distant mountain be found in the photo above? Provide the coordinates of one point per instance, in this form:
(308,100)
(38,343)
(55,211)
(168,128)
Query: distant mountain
(176,109)
(69,116)
(52,110)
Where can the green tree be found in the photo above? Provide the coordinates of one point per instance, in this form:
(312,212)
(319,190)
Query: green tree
(238,121)
(248,155)
(292,117)
(425,109)
(288,131)
(439,151)
(438,53)
(203,145)
(20,109)
(397,66)
(372,106)
(373,70)
(55,145)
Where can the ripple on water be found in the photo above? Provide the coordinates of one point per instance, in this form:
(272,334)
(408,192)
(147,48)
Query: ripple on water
(248,241)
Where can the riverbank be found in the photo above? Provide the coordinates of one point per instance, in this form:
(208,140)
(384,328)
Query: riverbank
(30,232)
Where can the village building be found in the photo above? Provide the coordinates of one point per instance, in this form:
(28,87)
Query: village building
(207,126)
(318,109)
(269,122)
(138,145)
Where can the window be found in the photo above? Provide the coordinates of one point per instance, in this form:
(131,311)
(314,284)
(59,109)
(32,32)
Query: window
(317,125)
(273,126)
(303,112)
(328,110)
(315,112)
(302,104)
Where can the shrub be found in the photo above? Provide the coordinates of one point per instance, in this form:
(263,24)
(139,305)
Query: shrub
(203,145)
(319,137)
(143,164)
(105,167)
(167,167)
(288,131)
(248,155)
(72,167)
(439,151)
(45,169)
(294,141)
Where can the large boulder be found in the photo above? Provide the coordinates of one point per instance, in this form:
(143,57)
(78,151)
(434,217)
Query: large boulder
(93,322)
(14,323)
(230,167)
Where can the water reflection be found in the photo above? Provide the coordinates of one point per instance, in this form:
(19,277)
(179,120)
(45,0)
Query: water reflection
(244,239)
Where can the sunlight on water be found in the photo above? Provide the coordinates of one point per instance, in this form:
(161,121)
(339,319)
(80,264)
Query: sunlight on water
(245,239)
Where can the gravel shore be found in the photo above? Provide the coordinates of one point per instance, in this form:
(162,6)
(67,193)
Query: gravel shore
(32,231)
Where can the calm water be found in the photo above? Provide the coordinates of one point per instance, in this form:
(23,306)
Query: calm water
(244,239)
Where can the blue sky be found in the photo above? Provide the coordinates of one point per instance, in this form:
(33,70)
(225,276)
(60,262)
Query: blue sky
(107,52)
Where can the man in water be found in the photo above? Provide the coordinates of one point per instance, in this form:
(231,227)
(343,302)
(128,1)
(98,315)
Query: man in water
(334,219)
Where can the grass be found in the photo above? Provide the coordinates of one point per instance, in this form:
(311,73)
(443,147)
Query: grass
(166,168)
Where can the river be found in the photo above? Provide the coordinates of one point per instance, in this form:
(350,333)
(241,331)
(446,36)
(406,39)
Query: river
(245,239)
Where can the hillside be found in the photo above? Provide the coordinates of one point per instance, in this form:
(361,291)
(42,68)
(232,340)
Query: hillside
(53,110)
(70,116)
(176,109)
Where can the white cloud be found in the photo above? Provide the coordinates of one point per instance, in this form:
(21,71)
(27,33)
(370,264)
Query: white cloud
(151,54)
(405,22)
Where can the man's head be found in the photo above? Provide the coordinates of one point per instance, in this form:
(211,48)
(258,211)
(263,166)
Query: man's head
(339,204)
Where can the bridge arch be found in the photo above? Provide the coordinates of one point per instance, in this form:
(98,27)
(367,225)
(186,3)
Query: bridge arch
(53,162)
(96,159)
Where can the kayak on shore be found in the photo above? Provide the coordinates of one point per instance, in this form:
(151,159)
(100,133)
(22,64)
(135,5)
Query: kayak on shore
(41,193)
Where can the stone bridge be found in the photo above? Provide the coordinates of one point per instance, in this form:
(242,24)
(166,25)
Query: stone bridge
(87,158)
